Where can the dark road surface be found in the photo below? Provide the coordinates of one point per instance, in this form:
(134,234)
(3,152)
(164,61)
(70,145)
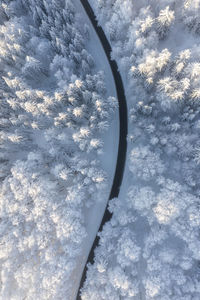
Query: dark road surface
(123,129)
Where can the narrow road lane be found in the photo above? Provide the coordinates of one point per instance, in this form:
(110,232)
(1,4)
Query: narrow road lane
(123,130)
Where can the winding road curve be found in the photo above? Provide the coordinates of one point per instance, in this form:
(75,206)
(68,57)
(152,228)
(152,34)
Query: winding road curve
(123,130)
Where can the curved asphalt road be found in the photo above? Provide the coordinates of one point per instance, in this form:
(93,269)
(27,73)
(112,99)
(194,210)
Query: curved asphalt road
(122,148)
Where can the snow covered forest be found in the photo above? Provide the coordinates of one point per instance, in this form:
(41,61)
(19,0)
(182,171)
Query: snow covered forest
(56,108)
(151,247)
